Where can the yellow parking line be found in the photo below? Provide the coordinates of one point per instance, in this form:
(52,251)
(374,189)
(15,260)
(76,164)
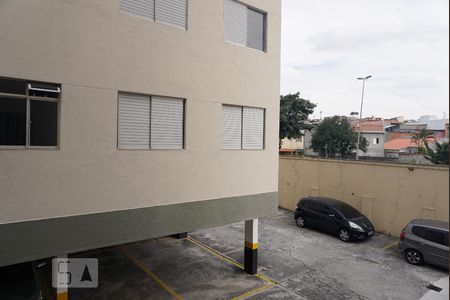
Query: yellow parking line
(390,245)
(226,258)
(270,282)
(255,291)
(211,250)
(152,275)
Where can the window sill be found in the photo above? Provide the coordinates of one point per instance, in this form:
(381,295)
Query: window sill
(246,150)
(27,148)
(148,150)
(246,47)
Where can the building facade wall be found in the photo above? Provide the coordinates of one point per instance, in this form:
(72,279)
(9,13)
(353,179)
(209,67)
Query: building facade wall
(94,51)
(374,149)
(390,195)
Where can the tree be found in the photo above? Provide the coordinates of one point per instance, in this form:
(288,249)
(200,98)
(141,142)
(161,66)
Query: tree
(294,111)
(438,156)
(334,137)
(421,137)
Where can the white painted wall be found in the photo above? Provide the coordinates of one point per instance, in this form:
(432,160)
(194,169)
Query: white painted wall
(94,51)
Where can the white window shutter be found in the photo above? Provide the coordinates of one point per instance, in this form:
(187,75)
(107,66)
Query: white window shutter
(231,127)
(253,128)
(235,22)
(167,123)
(255,30)
(143,8)
(134,122)
(172,12)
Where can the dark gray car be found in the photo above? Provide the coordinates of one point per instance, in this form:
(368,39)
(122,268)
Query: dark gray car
(425,241)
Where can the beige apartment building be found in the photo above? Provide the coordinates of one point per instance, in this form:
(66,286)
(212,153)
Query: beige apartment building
(124,120)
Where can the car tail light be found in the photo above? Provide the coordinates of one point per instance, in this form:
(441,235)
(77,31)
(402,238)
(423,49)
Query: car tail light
(402,236)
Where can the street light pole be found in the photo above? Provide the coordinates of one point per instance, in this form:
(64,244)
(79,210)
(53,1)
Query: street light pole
(360,113)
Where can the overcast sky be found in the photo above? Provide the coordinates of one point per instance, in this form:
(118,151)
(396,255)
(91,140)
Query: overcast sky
(404,44)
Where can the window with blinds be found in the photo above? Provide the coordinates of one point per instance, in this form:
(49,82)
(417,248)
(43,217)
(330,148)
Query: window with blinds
(253,128)
(167,123)
(231,127)
(150,122)
(244,25)
(171,12)
(242,128)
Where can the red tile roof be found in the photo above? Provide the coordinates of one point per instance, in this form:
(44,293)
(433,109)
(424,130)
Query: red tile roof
(398,144)
(377,125)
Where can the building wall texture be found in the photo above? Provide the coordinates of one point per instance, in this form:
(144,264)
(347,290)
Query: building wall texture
(94,51)
(390,195)
(373,149)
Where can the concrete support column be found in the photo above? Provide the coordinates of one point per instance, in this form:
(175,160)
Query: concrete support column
(251,247)
(61,277)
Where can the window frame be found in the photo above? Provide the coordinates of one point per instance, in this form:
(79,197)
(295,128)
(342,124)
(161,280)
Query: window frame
(154,19)
(242,128)
(26,97)
(265,27)
(150,96)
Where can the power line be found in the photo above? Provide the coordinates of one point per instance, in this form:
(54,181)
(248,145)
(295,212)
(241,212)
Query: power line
(409,99)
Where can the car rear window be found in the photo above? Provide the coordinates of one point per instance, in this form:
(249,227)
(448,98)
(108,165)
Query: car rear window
(303,203)
(348,211)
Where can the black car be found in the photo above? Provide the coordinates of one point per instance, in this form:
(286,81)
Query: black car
(333,216)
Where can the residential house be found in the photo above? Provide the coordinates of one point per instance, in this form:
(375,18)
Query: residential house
(437,126)
(401,146)
(292,145)
(373,131)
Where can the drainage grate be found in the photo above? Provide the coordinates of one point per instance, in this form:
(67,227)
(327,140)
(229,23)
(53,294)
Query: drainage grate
(434,288)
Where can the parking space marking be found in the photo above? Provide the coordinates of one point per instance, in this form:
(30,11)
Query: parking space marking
(270,283)
(255,291)
(226,258)
(152,275)
(216,253)
(390,245)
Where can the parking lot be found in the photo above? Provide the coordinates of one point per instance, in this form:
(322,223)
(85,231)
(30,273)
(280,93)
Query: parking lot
(294,263)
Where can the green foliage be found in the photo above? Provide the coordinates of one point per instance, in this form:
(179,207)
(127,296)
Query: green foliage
(422,150)
(438,155)
(421,137)
(294,111)
(334,137)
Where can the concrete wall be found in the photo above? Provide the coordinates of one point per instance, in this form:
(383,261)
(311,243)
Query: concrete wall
(374,150)
(94,51)
(390,195)
(292,144)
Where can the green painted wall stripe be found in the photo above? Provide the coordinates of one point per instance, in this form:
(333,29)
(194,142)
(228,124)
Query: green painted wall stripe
(31,240)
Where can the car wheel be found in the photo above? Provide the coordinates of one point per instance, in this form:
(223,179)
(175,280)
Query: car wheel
(344,235)
(300,221)
(414,257)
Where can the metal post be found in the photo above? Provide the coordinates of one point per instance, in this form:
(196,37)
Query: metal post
(360,114)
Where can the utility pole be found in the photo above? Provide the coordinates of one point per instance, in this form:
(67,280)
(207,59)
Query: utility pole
(360,113)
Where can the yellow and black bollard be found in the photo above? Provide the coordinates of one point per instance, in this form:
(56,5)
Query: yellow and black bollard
(251,247)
